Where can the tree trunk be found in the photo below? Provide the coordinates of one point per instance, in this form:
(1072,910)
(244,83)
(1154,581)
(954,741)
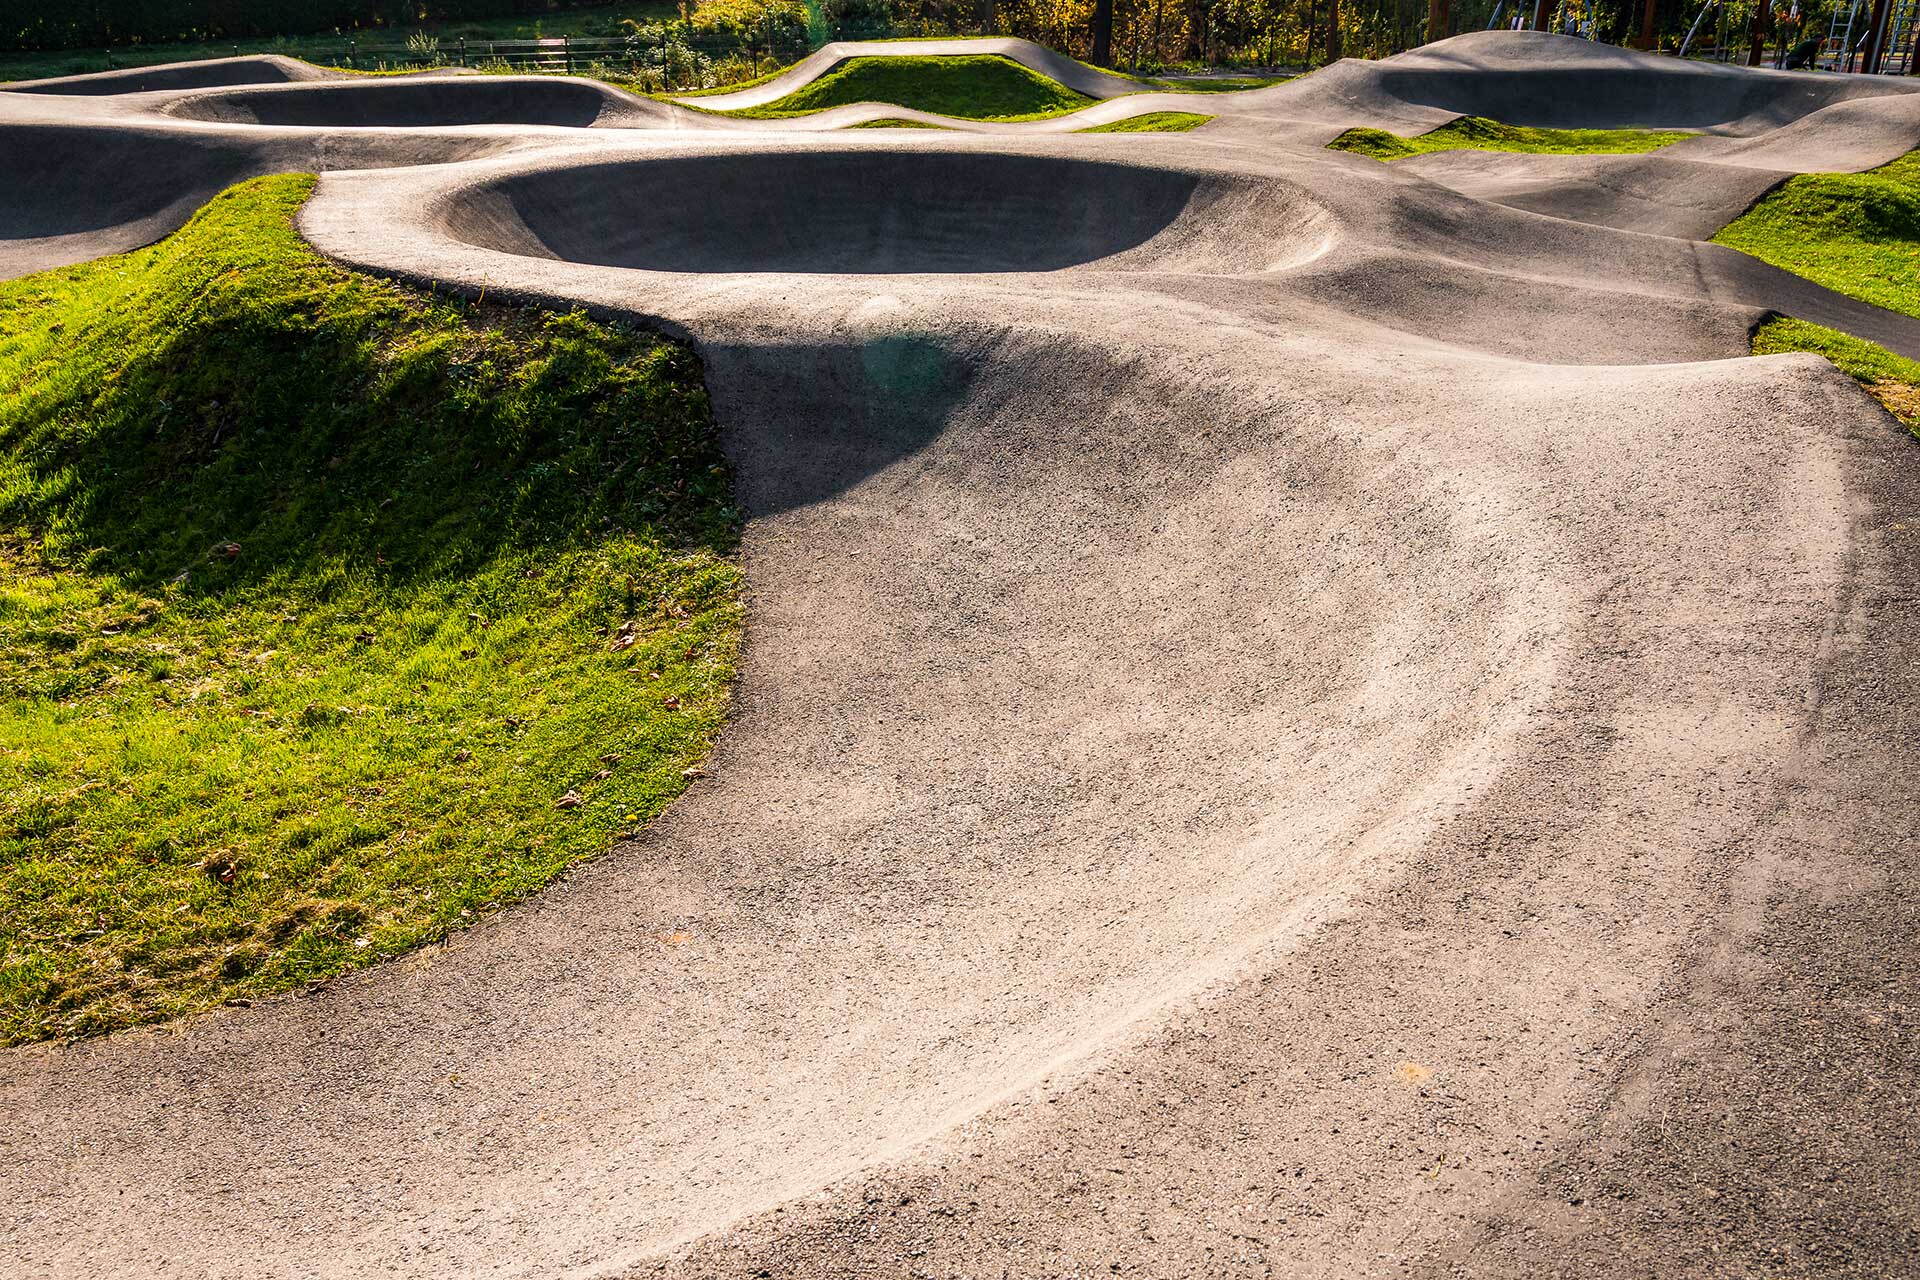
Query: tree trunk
(1102,33)
(1646,25)
(1436,20)
(1333,31)
(1193,50)
(1757,35)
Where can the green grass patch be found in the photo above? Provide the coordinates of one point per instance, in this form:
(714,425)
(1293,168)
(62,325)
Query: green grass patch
(1152,122)
(1891,379)
(1855,233)
(891,123)
(321,600)
(1215,84)
(1476,133)
(674,95)
(968,86)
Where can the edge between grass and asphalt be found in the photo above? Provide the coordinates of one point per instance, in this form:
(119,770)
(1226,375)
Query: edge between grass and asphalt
(335,615)
(1478,133)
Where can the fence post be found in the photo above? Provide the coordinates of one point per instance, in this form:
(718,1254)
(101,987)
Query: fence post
(463,52)
(353,52)
(566,42)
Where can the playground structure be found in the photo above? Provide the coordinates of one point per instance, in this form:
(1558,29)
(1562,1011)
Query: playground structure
(1874,37)
(1301,714)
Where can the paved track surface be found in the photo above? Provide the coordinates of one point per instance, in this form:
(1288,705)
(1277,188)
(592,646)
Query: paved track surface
(1301,716)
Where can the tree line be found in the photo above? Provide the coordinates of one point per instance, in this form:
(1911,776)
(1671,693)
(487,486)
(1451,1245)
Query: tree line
(1141,35)
(82,24)
(1156,34)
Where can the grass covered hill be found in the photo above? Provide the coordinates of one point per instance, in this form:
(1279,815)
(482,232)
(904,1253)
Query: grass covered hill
(332,614)
(1476,133)
(968,86)
(1153,122)
(1855,233)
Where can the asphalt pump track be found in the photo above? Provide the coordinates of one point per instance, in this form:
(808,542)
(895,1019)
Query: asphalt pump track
(1301,716)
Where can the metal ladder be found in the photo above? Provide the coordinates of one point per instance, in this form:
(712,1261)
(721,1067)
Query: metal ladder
(1836,51)
(1845,48)
(1900,28)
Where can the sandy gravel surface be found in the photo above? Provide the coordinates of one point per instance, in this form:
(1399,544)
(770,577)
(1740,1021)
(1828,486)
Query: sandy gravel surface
(1301,717)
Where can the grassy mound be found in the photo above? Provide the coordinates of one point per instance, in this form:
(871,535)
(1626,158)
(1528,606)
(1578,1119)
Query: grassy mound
(1214,84)
(1152,122)
(1476,133)
(333,614)
(970,86)
(893,123)
(1891,379)
(1855,233)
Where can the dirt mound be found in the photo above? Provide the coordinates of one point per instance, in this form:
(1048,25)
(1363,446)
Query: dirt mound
(261,69)
(1077,76)
(875,211)
(429,103)
(84,192)
(1552,81)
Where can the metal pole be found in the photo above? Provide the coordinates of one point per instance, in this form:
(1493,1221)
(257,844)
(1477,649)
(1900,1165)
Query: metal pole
(1876,39)
(1700,17)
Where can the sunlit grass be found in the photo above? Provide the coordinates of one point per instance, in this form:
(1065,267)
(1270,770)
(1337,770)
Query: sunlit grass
(1855,233)
(1891,379)
(970,87)
(1153,122)
(1475,133)
(332,615)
